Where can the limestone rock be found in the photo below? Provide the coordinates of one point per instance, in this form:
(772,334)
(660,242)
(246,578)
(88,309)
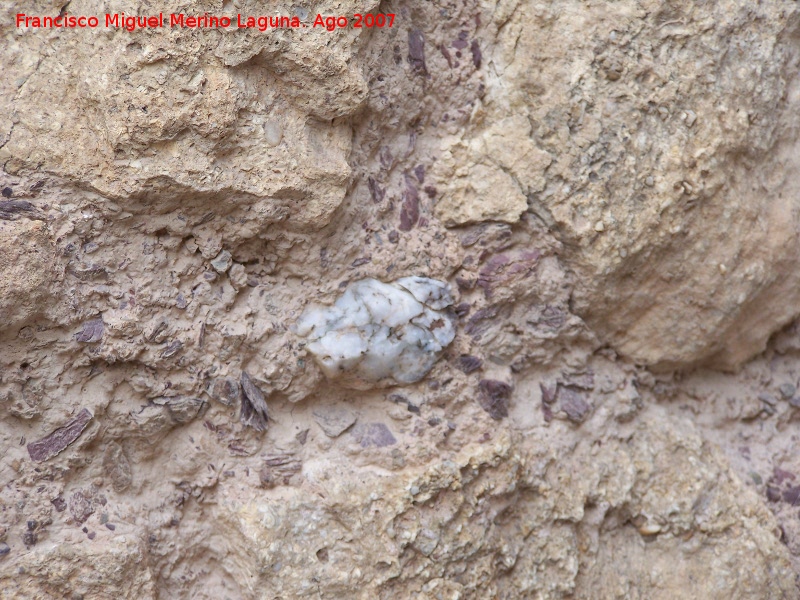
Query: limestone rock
(432,276)
(27,271)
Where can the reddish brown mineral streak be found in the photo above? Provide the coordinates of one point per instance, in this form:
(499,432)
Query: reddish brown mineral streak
(56,442)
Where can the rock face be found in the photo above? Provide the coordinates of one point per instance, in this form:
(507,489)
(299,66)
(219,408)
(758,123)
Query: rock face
(541,211)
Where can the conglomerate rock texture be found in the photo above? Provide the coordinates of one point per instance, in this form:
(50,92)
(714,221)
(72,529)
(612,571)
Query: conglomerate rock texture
(611,191)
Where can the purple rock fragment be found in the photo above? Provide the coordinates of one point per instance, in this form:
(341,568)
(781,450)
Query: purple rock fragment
(375,190)
(254,405)
(374,434)
(468,364)
(409,212)
(416,52)
(92,331)
(476,54)
(80,507)
(494,398)
(574,405)
(792,495)
(56,442)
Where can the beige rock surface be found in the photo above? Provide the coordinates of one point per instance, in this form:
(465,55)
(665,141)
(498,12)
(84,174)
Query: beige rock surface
(27,270)
(672,129)
(609,189)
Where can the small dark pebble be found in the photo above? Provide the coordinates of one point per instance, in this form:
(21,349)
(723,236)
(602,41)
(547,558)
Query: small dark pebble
(360,261)
(394,237)
(373,434)
(29,539)
(59,504)
(780,475)
(462,310)
(85,530)
(787,390)
(92,535)
(468,363)
(476,54)
(412,408)
(92,331)
(4,549)
(397,398)
(409,211)
(494,398)
(792,495)
(254,412)
(31,525)
(375,190)
(302,436)
(464,283)
(434,421)
(416,52)
(111,526)
(575,407)
(7,192)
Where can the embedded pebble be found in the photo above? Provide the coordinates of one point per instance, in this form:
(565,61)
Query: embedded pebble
(373,434)
(92,331)
(494,398)
(384,333)
(574,405)
(254,405)
(80,507)
(468,364)
(58,440)
(222,262)
(787,390)
(334,420)
(273,133)
(4,549)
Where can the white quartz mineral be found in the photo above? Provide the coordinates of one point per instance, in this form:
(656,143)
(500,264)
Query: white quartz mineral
(380,333)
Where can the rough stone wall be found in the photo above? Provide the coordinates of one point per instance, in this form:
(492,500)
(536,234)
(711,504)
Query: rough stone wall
(609,188)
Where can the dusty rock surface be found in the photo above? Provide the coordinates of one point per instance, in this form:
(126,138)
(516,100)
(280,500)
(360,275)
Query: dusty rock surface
(609,189)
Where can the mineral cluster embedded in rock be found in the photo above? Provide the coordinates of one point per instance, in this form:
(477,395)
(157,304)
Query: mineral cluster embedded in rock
(381,332)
